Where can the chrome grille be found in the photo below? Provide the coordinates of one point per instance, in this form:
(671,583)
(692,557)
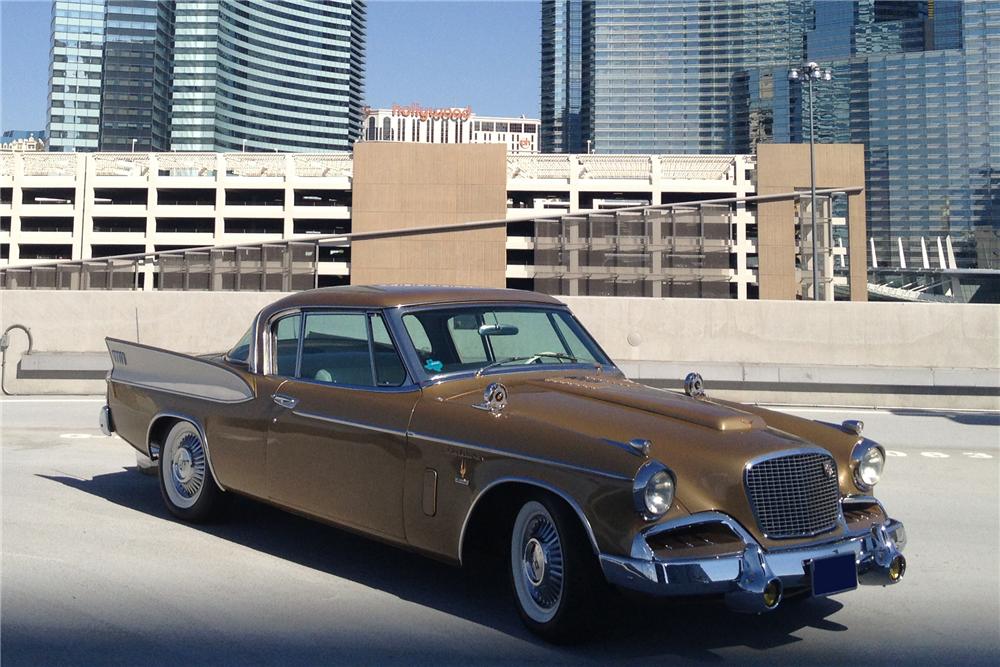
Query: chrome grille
(794,495)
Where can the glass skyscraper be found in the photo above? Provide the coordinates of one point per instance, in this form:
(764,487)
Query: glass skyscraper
(268,75)
(206,75)
(75,75)
(915,81)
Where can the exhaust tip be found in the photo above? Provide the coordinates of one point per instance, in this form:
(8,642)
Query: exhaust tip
(772,593)
(897,568)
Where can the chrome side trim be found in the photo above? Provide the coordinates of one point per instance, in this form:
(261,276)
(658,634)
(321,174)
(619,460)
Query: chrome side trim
(520,457)
(201,432)
(346,422)
(176,392)
(531,482)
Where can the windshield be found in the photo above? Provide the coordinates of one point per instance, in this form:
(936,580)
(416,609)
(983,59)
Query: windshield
(449,340)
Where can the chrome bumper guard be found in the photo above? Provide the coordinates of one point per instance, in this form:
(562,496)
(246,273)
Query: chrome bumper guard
(753,579)
(107,425)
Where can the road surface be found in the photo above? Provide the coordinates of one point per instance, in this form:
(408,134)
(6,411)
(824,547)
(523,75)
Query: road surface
(94,571)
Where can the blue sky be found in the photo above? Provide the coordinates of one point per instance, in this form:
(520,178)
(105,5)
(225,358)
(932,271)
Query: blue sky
(437,53)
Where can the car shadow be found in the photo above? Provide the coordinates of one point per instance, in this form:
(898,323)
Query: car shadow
(983,418)
(692,629)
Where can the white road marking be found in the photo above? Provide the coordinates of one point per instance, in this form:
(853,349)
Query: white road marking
(80,436)
(977,455)
(935,455)
(893,452)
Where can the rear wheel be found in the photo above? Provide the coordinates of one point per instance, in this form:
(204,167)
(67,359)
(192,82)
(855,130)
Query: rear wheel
(553,570)
(186,483)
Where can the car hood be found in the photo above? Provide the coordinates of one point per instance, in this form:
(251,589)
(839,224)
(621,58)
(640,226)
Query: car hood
(587,420)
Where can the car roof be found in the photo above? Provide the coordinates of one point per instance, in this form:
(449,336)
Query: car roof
(390,296)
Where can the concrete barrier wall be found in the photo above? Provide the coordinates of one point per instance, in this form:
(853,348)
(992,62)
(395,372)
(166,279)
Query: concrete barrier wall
(884,354)
(69,321)
(849,353)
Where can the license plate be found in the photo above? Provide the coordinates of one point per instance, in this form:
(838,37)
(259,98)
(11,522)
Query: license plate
(834,574)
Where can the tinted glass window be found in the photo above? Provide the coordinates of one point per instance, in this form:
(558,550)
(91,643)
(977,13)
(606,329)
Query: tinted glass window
(286,344)
(335,349)
(389,370)
(241,351)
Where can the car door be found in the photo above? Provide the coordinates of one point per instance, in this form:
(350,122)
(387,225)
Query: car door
(336,444)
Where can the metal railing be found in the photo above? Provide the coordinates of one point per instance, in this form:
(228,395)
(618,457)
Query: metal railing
(626,239)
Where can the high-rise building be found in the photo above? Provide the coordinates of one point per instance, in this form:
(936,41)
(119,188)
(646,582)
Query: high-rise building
(215,75)
(75,75)
(285,76)
(135,75)
(913,80)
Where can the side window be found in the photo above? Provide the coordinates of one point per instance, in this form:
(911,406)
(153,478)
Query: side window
(335,349)
(241,351)
(286,344)
(389,370)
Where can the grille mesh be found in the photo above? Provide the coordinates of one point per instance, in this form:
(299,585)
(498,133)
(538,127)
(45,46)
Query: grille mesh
(794,495)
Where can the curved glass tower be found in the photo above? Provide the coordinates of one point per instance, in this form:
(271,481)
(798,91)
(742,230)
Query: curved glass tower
(267,75)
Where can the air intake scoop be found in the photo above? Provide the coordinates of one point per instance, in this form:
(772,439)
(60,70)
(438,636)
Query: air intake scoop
(634,395)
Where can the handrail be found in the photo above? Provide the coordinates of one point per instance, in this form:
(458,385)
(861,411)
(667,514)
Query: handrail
(432,229)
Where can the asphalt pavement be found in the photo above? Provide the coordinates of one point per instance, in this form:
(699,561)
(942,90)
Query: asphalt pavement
(94,571)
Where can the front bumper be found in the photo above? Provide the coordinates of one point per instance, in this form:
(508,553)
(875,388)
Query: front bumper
(744,576)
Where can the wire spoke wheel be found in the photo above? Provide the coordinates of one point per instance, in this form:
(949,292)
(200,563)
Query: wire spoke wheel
(184,466)
(537,559)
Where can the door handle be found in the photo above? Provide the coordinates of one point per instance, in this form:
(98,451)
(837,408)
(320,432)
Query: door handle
(285,401)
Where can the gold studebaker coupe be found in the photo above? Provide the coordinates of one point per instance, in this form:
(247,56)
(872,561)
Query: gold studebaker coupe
(446,420)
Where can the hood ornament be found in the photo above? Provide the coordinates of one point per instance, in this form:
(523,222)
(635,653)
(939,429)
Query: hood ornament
(494,399)
(694,386)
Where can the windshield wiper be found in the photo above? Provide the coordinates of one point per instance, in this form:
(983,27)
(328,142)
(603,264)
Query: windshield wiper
(530,359)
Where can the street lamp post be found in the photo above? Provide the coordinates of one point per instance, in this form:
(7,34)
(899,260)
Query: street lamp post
(807,74)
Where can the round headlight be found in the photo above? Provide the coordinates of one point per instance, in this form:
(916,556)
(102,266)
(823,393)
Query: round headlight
(653,490)
(659,493)
(869,461)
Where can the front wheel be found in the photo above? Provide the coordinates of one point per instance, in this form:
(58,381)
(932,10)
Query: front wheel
(553,570)
(186,483)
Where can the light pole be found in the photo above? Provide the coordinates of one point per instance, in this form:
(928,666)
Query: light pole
(807,74)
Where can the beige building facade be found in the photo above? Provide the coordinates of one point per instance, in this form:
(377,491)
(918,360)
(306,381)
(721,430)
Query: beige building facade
(399,186)
(784,168)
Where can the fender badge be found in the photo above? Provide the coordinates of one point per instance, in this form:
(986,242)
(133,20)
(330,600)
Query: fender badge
(462,471)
